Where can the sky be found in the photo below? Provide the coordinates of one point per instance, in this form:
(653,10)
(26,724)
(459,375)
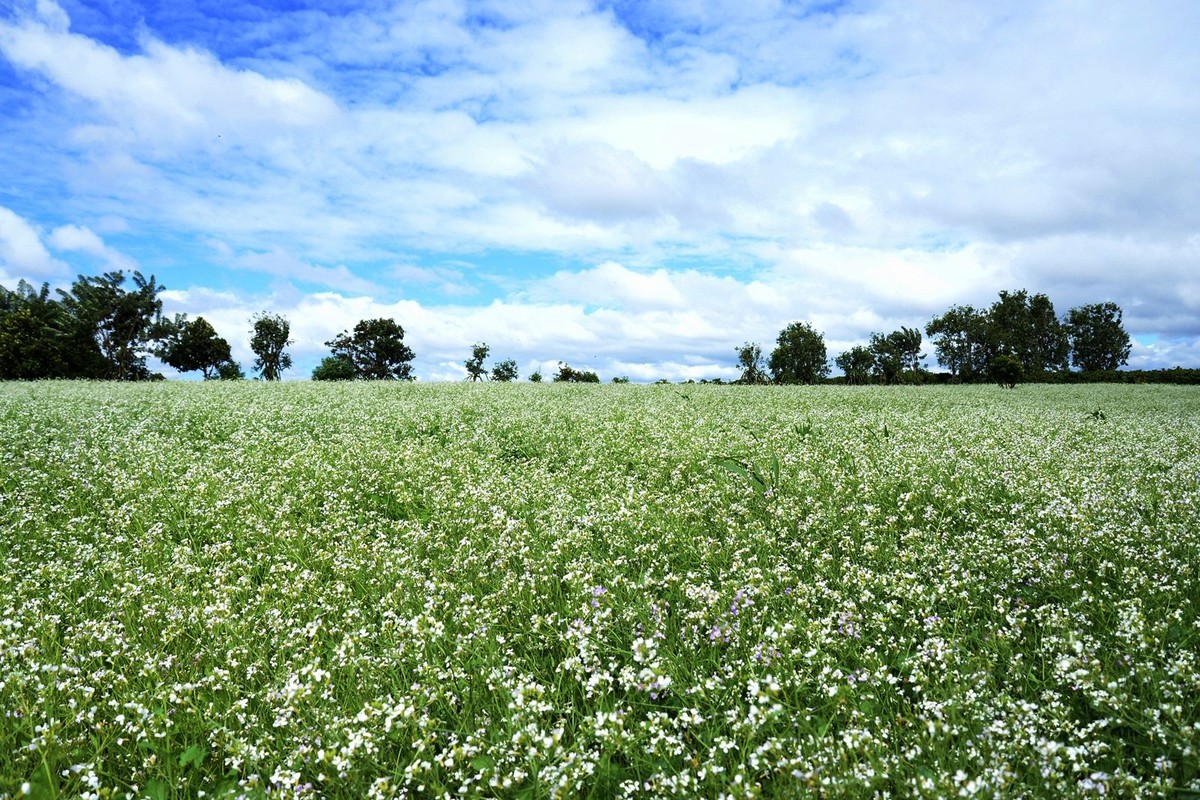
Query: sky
(631,187)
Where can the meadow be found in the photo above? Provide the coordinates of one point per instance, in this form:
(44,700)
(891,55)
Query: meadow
(404,590)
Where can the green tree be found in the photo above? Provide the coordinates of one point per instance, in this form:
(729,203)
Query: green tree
(960,341)
(566,374)
(334,368)
(230,371)
(505,371)
(1098,339)
(1006,370)
(269,342)
(33,334)
(750,359)
(194,345)
(121,323)
(475,369)
(536,377)
(377,350)
(799,355)
(856,364)
(1027,328)
(886,358)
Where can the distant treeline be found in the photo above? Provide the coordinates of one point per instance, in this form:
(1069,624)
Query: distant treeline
(104,328)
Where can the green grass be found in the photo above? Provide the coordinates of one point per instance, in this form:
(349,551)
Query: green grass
(550,590)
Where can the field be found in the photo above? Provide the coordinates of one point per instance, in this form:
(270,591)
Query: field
(366,590)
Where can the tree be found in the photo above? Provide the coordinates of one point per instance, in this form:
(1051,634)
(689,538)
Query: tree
(334,368)
(960,341)
(1098,340)
(750,359)
(189,346)
(120,323)
(1006,370)
(376,349)
(475,369)
(1027,328)
(505,371)
(886,357)
(33,334)
(536,377)
(568,375)
(269,342)
(856,364)
(230,371)
(799,355)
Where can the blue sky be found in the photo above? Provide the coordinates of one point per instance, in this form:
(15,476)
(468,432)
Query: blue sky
(631,187)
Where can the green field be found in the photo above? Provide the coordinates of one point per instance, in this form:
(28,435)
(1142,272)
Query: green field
(378,590)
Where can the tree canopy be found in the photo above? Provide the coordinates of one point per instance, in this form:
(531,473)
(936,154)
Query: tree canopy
(195,345)
(269,342)
(799,355)
(376,350)
(1098,340)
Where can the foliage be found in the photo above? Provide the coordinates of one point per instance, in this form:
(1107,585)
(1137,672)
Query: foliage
(475,369)
(750,360)
(566,374)
(1006,370)
(376,349)
(536,377)
(961,341)
(230,371)
(269,342)
(33,334)
(799,355)
(856,364)
(1098,339)
(120,324)
(355,590)
(1025,326)
(505,371)
(195,345)
(897,356)
(334,368)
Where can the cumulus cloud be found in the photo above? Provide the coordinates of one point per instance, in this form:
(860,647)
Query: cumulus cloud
(22,253)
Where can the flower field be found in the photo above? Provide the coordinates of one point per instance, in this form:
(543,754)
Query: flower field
(404,590)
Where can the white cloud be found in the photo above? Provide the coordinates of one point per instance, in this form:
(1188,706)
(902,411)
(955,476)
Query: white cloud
(22,254)
(73,238)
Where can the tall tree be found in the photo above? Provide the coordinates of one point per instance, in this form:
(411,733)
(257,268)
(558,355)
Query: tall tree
(33,334)
(799,355)
(269,342)
(960,341)
(856,364)
(475,369)
(1027,328)
(888,361)
(377,350)
(1098,338)
(193,345)
(122,323)
(750,359)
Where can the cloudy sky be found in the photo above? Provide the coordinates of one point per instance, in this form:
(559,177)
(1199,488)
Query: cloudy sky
(631,187)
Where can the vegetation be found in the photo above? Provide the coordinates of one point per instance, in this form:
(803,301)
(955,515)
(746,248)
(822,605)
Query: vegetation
(750,361)
(375,350)
(476,371)
(566,374)
(799,355)
(347,591)
(269,342)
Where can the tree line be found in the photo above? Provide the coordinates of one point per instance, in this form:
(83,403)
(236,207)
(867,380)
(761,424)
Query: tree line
(104,327)
(1019,336)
